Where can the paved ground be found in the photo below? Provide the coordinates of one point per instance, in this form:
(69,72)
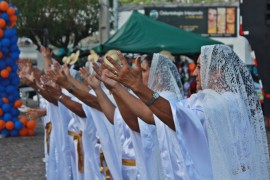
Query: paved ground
(21,157)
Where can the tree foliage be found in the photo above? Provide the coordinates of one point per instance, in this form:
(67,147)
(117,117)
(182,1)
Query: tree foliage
(61,22)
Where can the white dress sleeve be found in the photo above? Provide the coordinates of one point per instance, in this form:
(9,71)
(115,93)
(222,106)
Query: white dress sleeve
(105,132)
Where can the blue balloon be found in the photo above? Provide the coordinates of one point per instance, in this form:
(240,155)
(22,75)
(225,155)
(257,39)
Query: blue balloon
(14,40)
(2,88)
(9,62)
(11,89)
(5,42)
(5,82)
(11,98)
(3,94)
(7,117)
(6,107)
(14,133)
(14,48)
(18,125)
(4,16)
(5,51)
(5,133)
(14,69)
(8,33)
(15,112)
(13,74)
(14,56)
(15,81)
(11,5)
(2,65)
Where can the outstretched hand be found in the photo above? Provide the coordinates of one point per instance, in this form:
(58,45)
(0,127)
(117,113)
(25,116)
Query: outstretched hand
(46,52)
(58,76)
(126,75)
(93,82)
(101,73)
(84,73)
(34,113)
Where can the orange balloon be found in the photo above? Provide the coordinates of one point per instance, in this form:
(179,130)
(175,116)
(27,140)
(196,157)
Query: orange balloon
(8,68)
(4,73)
(31,124)
(2,23)
(2,124)
(12,24)
(1,112)
(13,18)
(23,120)
(9,125)
(18,104)
(3,6)
(5,100)
(1,33)
(30,132)
(23,131)
(10,11)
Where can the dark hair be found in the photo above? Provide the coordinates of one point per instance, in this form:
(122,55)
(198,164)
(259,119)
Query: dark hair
(149,58)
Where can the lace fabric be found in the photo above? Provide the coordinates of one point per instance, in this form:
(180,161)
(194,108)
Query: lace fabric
(164,76)
(234,119)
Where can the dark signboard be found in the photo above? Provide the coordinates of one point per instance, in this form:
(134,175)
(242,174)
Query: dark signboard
(208,21)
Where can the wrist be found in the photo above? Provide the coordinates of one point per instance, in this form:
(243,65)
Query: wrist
(71,88)
(114,89)
(60,97)
(137,87)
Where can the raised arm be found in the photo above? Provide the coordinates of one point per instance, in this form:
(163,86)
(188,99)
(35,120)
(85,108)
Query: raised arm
(129,117)
(65,100)
(61,79)
(105,103)
(47,55)
(132,78)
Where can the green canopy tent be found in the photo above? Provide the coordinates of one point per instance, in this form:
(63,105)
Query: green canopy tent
(142,34)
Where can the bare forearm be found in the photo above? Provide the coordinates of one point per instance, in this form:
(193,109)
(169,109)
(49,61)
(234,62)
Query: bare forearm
(78,84)
(161,107)
(44,94)
(131,107)
(130,118)
(82,95)
(106,105)
(47,63)
(72,105)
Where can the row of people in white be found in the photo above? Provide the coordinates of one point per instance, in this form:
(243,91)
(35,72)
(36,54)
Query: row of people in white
(217,133)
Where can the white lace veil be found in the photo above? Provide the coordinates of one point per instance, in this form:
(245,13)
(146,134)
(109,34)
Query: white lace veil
(234,120)
(165,78)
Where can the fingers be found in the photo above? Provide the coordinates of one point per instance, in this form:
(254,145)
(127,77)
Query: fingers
(57,66)
(122,58)
(110,75)
(138,62)
(97,69)
(111,69)
(114,63)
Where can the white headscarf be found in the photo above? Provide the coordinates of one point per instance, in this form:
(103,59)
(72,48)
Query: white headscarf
(165,78)
(234,119)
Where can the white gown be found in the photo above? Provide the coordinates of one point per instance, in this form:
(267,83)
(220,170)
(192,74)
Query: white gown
(54,165)
(105,131)
(124,146)
(184,152)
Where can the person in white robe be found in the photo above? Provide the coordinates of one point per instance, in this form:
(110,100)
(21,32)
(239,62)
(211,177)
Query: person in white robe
(231,114)
(177,155)
(144,154)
